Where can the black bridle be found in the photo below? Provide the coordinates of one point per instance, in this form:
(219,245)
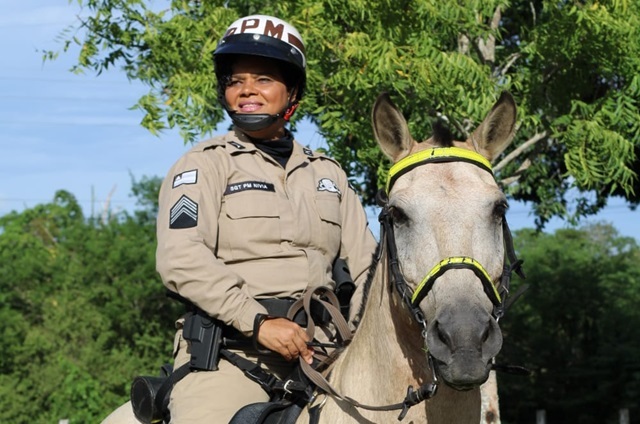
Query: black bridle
(412,298)
(497,294)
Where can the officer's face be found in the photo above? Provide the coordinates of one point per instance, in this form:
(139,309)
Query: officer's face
(256,86)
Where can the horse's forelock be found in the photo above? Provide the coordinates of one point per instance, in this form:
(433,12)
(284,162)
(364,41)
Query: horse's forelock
(442,136)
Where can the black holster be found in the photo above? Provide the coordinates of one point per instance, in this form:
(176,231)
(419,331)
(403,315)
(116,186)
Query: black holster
(205,335)
(344,285)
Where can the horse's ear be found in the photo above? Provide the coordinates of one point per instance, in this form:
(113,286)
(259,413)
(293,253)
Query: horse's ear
(496,132)
(390,128)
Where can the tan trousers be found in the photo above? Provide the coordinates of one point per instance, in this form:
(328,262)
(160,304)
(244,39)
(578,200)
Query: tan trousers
(122,415)
(213,397)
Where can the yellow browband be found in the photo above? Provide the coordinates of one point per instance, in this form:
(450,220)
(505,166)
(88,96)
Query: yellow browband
(459,262)
(436,154)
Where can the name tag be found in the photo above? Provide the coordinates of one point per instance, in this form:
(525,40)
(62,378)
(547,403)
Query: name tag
(249,185)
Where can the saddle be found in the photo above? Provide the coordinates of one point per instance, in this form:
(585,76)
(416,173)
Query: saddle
(282,410)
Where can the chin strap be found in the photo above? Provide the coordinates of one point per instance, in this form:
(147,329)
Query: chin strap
(252,121)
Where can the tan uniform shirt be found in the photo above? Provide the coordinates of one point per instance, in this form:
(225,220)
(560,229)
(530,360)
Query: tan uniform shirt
(234,226)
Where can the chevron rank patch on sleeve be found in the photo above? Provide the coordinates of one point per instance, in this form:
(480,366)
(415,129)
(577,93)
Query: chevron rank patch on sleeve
(184,214)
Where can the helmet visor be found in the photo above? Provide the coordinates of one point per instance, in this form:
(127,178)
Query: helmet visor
(260,45)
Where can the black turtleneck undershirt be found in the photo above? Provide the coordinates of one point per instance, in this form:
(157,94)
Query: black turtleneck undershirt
(279,149)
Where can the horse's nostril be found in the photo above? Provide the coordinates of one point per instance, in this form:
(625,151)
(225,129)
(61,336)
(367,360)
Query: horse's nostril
(443,336)
(485,334)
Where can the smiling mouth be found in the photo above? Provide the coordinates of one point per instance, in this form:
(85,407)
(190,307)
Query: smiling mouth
(249,107)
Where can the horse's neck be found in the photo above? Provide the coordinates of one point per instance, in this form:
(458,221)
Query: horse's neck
(387,353)
(385,357)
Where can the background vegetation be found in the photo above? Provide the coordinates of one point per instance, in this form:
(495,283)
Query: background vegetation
(576,328)
(83,310)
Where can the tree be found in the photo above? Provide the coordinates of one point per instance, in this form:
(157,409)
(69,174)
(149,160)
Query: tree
(577,328)
(82,307)
(573,66)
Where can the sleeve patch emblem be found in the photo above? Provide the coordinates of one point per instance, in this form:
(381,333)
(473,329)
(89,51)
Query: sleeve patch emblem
(325,184)
(188,177)
(184,214)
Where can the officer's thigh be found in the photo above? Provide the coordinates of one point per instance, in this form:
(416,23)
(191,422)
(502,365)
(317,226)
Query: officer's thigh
(213,397)
(122,415)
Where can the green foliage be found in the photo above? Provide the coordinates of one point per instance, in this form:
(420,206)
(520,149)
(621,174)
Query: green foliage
(577,328)
(83,312)
(82,308)
(573,67)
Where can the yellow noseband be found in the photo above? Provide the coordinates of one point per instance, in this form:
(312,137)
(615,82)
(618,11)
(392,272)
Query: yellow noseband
(456,262)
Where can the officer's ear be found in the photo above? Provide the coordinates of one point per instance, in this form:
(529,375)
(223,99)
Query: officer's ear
(293,95)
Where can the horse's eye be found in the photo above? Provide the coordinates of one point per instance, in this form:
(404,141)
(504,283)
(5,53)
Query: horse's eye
(398,216)
(500,209)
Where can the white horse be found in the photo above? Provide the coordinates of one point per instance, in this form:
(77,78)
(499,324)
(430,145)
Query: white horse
(431,304)
(436,289)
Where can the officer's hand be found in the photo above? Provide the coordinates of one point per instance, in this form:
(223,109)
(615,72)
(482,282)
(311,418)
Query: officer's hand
(285,337)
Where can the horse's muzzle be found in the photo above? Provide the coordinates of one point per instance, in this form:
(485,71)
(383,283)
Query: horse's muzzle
(463,348)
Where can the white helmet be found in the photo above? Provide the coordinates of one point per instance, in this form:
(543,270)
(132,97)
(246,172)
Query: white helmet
(266,36)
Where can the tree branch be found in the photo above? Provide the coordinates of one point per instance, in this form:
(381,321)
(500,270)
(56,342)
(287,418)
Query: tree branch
(515,153)
(488,48)
(510,61)
(516,175)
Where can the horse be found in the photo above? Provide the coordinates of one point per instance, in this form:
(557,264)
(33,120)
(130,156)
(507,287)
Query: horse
(436,287)
(434,297)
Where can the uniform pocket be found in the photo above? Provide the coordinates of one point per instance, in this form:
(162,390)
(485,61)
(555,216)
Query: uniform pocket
(249,225)
(241,207)
(328,207)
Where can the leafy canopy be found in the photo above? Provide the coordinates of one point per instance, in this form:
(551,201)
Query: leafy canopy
(573,66)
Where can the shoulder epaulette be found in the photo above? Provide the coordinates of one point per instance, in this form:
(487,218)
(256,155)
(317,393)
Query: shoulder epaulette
(229,143)
(209,144)
(322,156)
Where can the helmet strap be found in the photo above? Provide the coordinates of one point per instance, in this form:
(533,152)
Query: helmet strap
(290,111)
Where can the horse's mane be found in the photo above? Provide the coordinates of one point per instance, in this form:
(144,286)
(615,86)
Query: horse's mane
(367,284)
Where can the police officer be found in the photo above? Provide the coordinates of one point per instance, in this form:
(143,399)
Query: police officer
(254,215)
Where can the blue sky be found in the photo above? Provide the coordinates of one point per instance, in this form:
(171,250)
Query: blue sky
(76,132)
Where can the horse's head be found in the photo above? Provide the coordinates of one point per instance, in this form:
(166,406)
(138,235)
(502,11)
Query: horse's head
(446,217)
